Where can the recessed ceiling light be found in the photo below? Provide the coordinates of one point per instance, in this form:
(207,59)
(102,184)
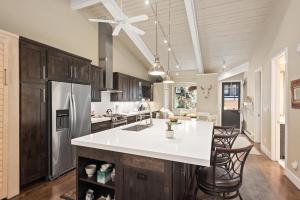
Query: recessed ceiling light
(169,49)
(224,66)
(147,2)
(165,41)
(177,66)
(155,22)
(177,73)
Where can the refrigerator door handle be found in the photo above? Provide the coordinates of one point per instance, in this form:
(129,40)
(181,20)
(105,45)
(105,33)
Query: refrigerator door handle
(74,114)
(71,117)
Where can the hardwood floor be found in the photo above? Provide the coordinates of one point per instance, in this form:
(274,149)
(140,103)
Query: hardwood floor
(263,180)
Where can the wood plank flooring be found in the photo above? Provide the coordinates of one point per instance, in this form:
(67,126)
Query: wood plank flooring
(263,180)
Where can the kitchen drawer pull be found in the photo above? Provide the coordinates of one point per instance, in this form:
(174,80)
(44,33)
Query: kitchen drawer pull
(44,95)
(141,176)
(44,72)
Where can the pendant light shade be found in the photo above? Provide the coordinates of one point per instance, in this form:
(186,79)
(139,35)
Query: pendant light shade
(157,69)
(168,79)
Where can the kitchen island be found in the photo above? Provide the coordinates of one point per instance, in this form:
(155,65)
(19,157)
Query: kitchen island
(147,164)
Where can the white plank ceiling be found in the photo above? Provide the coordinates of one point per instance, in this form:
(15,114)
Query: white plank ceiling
(228,30)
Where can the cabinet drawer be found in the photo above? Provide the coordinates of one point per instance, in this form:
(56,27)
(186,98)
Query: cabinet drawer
(101,126)
(150,164)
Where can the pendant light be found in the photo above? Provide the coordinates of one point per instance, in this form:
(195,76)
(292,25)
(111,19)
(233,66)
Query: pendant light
(167,78)
(157,69)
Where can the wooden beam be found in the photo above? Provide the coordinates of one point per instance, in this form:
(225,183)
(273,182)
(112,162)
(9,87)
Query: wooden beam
(192,19)
(234,71)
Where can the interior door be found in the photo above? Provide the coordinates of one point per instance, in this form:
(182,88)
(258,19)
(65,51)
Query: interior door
(231,97)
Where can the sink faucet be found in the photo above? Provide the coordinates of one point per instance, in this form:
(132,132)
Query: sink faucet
(144,115)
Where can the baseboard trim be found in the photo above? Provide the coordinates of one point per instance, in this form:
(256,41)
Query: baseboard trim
(292,177)
(266,151)
(249,134)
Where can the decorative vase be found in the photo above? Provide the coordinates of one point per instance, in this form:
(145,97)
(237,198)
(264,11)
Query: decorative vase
(169,134)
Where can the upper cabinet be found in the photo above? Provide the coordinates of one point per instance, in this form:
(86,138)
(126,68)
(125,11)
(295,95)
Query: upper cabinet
(64,67)
(96,83)
(33,62)
(40,63)
(133,89)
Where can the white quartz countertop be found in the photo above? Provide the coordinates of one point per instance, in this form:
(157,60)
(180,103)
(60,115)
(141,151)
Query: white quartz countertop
(128,114)
(191,144)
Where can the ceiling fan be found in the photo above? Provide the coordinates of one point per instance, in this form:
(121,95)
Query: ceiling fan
(124,23)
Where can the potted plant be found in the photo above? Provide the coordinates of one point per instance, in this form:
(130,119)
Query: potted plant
(169,131)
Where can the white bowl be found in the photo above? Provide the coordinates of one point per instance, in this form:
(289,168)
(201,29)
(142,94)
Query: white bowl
(90,170)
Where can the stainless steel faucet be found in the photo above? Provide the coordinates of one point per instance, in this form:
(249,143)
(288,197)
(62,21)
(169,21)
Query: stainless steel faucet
(145,115)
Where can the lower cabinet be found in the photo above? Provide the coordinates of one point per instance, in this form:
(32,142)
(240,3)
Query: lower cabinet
(33,133)
(101,126)
(136,177)
(143,184)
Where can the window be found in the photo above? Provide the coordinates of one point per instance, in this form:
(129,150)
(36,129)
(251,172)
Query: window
(185,97)
(231,92)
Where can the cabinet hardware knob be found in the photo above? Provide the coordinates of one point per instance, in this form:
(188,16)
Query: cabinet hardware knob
(141,176)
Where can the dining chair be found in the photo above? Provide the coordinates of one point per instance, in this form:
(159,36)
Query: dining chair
(223,130)
(223,180)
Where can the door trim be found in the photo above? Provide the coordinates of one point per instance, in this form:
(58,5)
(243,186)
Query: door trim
(275,155)
(261,103)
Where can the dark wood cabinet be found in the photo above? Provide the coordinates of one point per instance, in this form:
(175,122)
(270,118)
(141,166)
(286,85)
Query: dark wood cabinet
(33,62)
(59,66)
(33,133)
(133,89)
(96,83)
(143,184)
(81,70)
(101,126)
(67,68)
(40,63)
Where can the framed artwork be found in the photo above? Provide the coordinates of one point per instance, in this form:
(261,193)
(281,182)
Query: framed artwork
(295,90)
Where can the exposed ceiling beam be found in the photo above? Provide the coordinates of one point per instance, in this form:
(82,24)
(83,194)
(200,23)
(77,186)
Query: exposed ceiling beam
(192,19)
(79,4)
(234,71)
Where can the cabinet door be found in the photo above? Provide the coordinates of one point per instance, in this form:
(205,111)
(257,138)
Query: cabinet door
(81,71)
(142,184)
(59,66)
(96,83)
(33,133)
(32,62)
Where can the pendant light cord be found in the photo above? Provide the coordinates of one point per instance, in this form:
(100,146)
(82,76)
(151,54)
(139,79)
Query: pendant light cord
(169,38)
(156,35)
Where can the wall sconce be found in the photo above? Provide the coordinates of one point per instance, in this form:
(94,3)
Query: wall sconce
(206,91)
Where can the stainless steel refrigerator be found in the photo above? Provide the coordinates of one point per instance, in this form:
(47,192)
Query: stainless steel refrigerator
(70,118)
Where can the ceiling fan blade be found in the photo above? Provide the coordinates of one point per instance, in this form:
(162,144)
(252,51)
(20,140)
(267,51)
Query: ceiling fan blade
(117,30)
(103,21)
(137,18)
(135,29)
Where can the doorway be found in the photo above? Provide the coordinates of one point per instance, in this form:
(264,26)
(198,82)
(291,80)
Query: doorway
(231,98)
(279,107)
(258,105)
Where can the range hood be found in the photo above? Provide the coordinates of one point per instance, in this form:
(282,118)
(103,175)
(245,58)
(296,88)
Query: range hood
(106,56)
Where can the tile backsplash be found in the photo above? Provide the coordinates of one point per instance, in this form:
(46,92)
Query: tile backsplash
(117,107)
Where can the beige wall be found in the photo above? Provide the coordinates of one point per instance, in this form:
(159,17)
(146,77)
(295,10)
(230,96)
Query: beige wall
(52,22)
(283,31)
(209,104)
(125,62)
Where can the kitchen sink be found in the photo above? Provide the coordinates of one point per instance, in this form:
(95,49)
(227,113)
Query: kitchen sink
(138,127)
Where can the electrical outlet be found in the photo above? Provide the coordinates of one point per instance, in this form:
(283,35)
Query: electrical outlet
(295,165)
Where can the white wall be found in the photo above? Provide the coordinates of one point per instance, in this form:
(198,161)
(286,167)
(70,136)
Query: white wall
(281,31)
